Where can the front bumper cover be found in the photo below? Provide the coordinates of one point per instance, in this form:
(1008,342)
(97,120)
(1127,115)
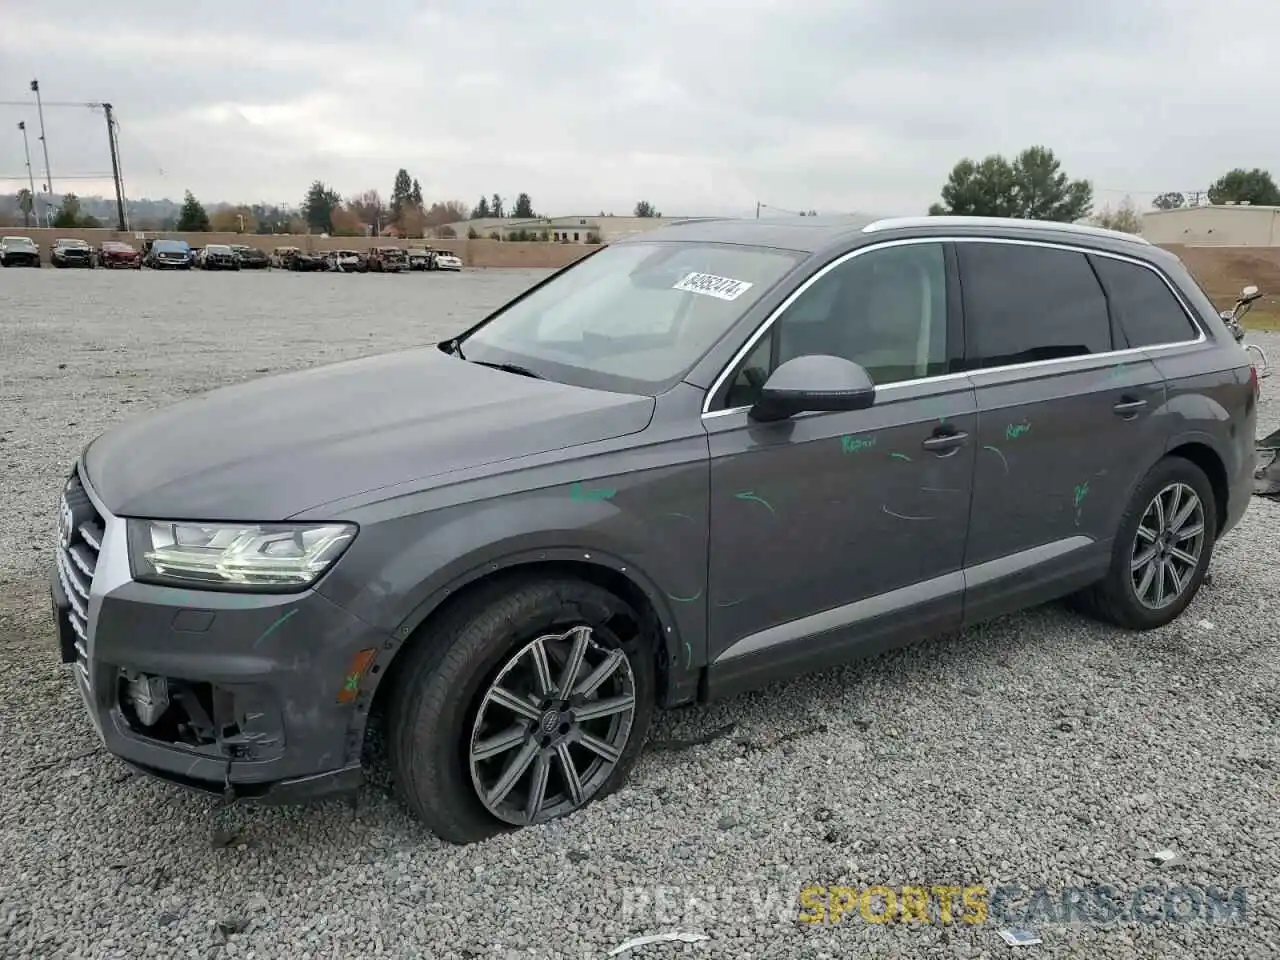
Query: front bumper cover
(257,710)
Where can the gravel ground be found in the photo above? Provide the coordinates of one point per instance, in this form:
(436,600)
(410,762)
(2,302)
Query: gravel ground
(1039,750)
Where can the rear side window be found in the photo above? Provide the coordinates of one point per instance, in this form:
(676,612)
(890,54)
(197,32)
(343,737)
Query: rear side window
(1145,308)
(1025,303)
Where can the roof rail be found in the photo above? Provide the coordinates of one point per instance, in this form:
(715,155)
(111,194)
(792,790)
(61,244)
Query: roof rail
(1007,223)
(684,220)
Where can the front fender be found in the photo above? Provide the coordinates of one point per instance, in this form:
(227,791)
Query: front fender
(645,521)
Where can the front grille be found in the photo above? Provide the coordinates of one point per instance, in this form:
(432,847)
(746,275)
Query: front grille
(80,531)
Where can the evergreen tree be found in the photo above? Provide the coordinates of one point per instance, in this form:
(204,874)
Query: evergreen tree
(192,218)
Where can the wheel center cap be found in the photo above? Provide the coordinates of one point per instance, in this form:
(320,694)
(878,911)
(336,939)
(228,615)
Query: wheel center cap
(550,721)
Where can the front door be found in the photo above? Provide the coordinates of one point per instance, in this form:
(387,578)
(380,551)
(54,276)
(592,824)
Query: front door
(833,533)
(1068,422)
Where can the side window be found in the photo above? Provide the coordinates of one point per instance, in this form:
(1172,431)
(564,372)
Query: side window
(1024,303)
(885,309)
(1145,307)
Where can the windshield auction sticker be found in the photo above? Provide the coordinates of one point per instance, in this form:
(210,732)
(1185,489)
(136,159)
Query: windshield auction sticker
(708,284)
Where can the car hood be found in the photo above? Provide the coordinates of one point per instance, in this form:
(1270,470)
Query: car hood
(273,447)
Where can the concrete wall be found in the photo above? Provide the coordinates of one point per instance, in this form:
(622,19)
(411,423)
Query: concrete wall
(1230,226)
(474,253)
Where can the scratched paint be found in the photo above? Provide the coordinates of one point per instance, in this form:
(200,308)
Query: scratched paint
(748,495)
(275,626)
(996,451)
(853,444)
(902,516)
(900,456)
(673,597)
(1015,430)
(586,495)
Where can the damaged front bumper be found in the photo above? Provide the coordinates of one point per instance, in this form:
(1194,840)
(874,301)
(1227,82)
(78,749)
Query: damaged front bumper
(254,697)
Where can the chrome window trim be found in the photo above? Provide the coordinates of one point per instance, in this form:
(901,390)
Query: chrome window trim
(768,322)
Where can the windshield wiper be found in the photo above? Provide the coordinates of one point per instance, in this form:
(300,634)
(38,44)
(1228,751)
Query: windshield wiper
(510,368)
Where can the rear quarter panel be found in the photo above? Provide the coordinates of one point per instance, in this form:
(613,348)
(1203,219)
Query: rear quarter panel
(1210,397)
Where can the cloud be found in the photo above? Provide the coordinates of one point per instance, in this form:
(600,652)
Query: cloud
(700,108)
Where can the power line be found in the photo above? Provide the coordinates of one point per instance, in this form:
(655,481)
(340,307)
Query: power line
(50,103)
(64,176)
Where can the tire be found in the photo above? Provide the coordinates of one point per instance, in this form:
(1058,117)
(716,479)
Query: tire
(440,705)
(1115,599)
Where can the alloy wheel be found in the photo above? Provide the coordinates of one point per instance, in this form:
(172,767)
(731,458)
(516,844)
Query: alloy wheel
(1167,546)
(551,727)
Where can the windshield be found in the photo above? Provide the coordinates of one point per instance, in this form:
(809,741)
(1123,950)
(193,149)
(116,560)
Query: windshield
(633,317)
(18,242)
(171,246)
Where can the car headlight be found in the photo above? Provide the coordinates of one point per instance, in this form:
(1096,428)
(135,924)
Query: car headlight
(254,557)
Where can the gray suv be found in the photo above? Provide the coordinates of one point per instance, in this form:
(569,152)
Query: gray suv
(699,459)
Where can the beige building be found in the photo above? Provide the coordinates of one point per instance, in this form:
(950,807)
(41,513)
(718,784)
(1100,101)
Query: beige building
(595,229)
(1221,225)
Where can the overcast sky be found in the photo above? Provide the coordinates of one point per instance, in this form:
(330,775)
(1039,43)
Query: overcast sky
(700,106)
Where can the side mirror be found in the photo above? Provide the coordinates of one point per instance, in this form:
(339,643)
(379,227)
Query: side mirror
(814,383)
(1249,294)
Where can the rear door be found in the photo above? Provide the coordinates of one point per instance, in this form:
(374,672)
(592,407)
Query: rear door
(1067,421)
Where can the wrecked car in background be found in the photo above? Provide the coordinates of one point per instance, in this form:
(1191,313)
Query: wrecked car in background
(169,255)
(114,254)
(71,253)
(19,252)
(251,258)
(388,260)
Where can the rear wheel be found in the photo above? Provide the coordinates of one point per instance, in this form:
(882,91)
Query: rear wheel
(525,703)
(1161,552)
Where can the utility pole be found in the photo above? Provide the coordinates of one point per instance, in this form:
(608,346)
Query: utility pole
(48,177)
(31,209)
(757,209)
(115,167)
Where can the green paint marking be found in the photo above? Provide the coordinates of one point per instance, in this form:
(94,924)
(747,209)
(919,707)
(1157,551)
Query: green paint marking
(1082,491)
(900,456)
(275,626)
(854,444)
(583,495)
(748,495)
(1015,430)
(353,683)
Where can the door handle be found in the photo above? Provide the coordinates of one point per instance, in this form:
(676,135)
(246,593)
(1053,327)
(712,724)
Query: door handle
(942,442)
(1128,408)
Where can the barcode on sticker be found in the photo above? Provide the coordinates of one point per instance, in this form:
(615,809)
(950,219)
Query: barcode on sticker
(708,284)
